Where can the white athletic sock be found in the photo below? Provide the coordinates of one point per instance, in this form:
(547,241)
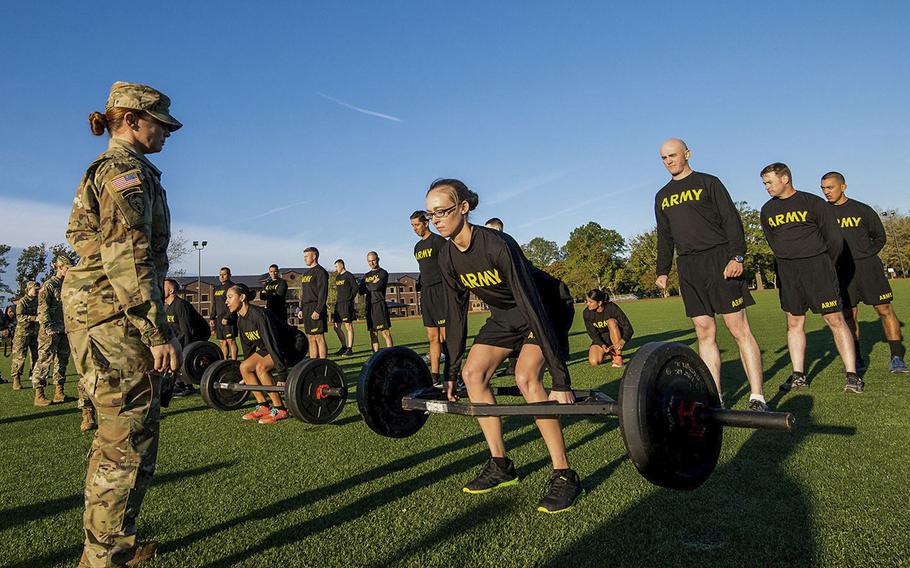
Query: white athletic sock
(756,397)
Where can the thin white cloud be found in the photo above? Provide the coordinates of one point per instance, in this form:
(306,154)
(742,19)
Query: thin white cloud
(274,210)
(360,109)
(524,187)
(584,204)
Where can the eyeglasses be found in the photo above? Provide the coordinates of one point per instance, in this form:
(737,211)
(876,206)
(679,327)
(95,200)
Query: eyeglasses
(440,213)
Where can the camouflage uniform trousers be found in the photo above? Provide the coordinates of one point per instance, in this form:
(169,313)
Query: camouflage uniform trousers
(53,352)
(114,366)
(23,344)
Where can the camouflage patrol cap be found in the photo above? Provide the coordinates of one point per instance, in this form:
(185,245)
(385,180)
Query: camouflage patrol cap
(31,284)
(142,97)
(62,260)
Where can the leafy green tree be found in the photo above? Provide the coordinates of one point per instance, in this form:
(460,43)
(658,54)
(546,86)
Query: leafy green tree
(32,263)
(542,253)
(759,260)
(4,263)
(896,253)
(640,272)
(59,249)
(593,255)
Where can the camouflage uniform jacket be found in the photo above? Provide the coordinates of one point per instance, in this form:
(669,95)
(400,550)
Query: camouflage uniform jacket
(27,314)
(50,308)
(120,228)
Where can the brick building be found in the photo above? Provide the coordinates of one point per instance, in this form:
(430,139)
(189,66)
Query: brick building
(402,296)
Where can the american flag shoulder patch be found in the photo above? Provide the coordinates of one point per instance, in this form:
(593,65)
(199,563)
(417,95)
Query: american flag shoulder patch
(124,181)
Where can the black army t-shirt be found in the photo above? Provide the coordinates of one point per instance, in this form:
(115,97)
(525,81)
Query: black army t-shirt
(426,251)
(861,227)
(800,226)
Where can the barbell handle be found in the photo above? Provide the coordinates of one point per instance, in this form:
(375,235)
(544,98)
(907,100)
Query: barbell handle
(784,421)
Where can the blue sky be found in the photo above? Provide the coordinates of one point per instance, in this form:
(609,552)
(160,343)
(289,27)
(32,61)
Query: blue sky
(323,123)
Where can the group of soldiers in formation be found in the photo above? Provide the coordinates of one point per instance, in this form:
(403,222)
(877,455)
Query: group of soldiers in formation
(127,325)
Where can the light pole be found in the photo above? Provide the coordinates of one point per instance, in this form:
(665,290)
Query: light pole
(891,213)
(199,246)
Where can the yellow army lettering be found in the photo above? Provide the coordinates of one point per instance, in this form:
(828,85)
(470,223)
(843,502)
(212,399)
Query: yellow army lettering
(481,279)
(425,253)
(600,324)
(789,217)
(339,283)
(886,296)
(219,292)
(829,304)
(306,278)
(252,335)
(681,197)
(374,278)
(736,302)
(171,318)
(849,222)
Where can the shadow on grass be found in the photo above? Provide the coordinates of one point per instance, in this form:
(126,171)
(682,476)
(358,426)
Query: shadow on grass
(750,513)
(38,414)
(16,516)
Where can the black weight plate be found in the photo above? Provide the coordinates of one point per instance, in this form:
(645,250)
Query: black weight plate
(305,386)
(387,377)
(660,391)
(197,357)
(225,371)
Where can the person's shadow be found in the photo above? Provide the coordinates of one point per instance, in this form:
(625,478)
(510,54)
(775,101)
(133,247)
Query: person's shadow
(751,512)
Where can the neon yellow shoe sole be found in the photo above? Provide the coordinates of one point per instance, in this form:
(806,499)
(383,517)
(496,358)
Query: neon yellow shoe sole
(509,483)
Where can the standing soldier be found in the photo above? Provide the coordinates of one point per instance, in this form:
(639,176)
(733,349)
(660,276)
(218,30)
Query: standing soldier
(53,348)
(274,294)
(373,288)
(112,300)
(25,340)
(222,322)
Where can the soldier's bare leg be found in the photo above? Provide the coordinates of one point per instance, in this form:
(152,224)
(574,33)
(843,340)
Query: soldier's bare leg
(248,372)
(232,348)
(264,368)
(387,337)
(337,327)
(374,341)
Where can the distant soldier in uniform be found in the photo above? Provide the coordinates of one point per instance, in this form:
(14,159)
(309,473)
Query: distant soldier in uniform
(25,339)
(274,293)
(6,326)
(115,318)
(373,286)
(53,348)
(345,311)
(222,322)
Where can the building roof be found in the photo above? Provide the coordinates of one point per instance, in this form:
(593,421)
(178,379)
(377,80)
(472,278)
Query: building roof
(256,281)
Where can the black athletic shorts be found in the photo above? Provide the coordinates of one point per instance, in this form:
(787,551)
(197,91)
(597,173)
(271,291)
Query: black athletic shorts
(509,329)
(378,317)
(863,280)
(344,312)
(808,284)
(311,326)
(433,305)
(704,289)
(228,331)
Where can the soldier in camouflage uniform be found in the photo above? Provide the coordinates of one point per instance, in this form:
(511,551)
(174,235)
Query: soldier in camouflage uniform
(25,340)
(53,348)
(114,311)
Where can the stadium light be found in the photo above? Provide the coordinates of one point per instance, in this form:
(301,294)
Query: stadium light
(199,247)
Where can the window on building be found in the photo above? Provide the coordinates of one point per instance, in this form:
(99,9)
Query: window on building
(205,297)
(205,311)
(190,298)
(413,313)
(391,289)
(410,288)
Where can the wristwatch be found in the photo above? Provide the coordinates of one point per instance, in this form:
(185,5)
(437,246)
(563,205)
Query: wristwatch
(738,259)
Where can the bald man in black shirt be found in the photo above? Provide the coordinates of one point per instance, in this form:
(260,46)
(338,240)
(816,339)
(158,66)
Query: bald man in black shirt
(860,271)
(806,242)
(697,218)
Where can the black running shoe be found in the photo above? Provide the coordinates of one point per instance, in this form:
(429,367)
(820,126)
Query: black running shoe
(795,381)
(853,383)
(757,406)
(492,477)
(348,352)
(562,491)
(340,351)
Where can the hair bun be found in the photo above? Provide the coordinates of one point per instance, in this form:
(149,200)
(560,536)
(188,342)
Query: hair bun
(97,122)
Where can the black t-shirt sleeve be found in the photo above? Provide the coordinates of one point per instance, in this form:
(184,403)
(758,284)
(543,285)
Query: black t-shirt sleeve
(322,290)
(268,326)
(729,218)
(877,234)
(665,242)
(511,260)
(282,289)
(592,331)
(456,317)
(183,326)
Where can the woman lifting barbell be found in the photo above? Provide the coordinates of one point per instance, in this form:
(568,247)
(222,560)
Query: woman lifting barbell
(534,317)
(267,343)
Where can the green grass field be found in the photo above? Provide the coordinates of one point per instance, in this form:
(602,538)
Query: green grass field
(231,493)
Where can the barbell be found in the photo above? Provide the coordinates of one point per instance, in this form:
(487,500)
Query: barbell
(315,389)
(670,415)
